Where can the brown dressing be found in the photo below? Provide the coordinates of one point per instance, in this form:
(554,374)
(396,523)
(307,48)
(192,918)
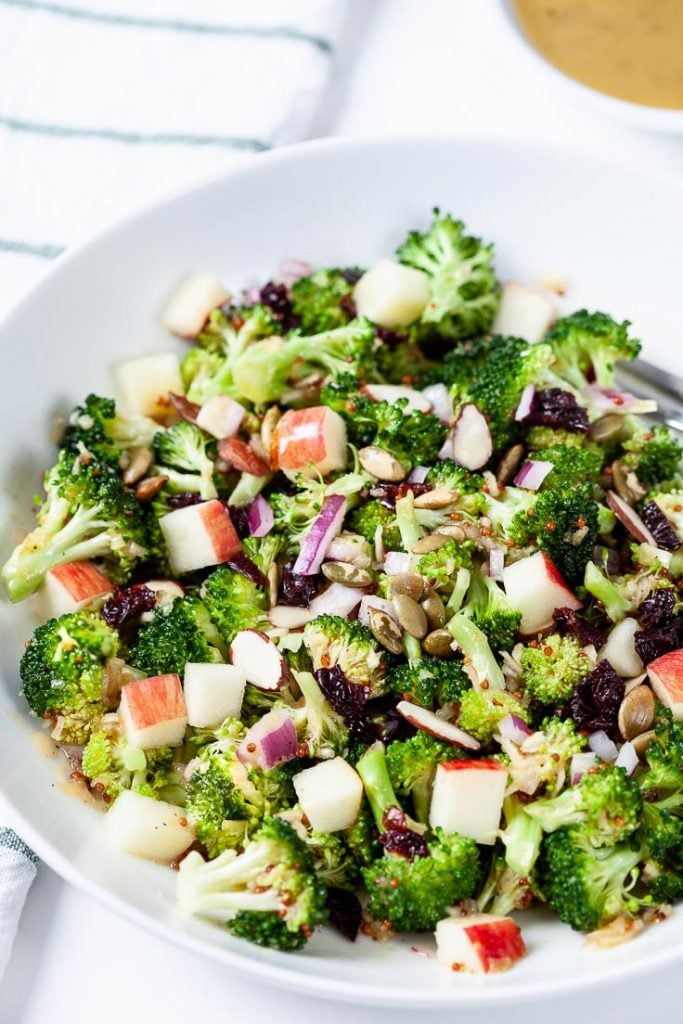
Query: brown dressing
(632,49)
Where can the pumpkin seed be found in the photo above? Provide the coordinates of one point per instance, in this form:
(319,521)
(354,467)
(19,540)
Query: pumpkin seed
(411,616)
(381,464)
(139,462)
(410,583)
(508,465)
(438,643)
(643,741)
(432,542)
(386,631)
(434,609)
(438,498)
(637,712)
(349,575)
(606,428)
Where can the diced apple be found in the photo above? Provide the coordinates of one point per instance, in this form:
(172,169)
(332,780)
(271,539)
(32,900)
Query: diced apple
(143,385)
(480,943)
(257,657)
(391,294)
(70,587)
(416,400)
(330,794)
(199,535)
(523,313)
(620,649)
(188,309)
(153,712)
(468,798)
(148,828)
(535,587)
(213,693)
(666,676)
(310,441)
(221,416)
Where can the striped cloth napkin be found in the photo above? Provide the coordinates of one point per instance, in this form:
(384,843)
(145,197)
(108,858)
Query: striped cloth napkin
(106,105)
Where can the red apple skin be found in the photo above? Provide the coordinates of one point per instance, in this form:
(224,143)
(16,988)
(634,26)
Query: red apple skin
(554,574)
(218,525)
(300,438)
(81,580)
(666,673)
(486,764)
(153,700)
(498,944)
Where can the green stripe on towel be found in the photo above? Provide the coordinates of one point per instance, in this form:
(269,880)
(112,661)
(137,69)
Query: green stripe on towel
(66,131)
(10,840)
(43,252)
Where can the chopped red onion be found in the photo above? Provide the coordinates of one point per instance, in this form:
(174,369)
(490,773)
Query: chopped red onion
(293,269)
(627,759)
(270,742)
(630,519)
(602,745)
(618,401)
(442,403)
(418,475)
(526,403)
(514,728)
(336,600)
(496,563)
(260,518)
(320,534)
(397,562)
(370,601)
(580,764)
(532,474)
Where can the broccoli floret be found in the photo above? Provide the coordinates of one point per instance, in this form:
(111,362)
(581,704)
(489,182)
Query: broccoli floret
(607,803)
(587,347)
(112,765)
(508,513)
(572,466)
(96,427)
(553,668)
(183,633)
(541,762)
(664,774)
(622,595)
(331,640)
(403,362)
(234,603)
(269,894)
(269,370)
(295,513)
(411,765)
(317,724)
(63,671)
(585,886)
(448,475)
(482,712)
(367,517)
(564,523)
(87,514)
(181,455)
(474,645)
(540,438)
(504,891)
(361,838)
(324,300)
(464,293)
(488,607)
(207,369)
(440,567)
(521,837)
(653,453)
(428,682)
(333,860)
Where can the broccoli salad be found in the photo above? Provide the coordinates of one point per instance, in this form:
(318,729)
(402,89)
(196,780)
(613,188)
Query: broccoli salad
(366,611)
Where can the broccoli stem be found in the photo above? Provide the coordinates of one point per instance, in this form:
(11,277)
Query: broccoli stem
(372,768)
(412,648)
(522,838)
(604,590)
(474,645)
(462,585)
(247,488)
(408,525)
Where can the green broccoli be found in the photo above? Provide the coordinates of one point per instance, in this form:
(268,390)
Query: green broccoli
(587,346)
(234,603)
(112,765)
(521,838)
(269,894)
(489,609)
(294,513)
(474,645)
(621,595)
(362,838)
(572,466)
(320,727)
(553,668)
(585,886)
(540,764)
(563,523)
(87,514)
(607,803)
(412,764)
(482,712)
(402,361)
(428,682)
(63,671)
(333,860)
(269,370)
(97,427)
(540,438)
(181,455)
(440,567)
(183,633)
(653,453)
(367,517)
(504,891)
(331,640)
(464,293)
(323,300)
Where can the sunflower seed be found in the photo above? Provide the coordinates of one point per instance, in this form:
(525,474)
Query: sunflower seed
(411,616)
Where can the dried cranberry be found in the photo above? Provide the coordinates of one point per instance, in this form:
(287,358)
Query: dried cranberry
(183,500)
(128,603)
(554,407)
(345,911)
(660,527)
(652,643)
(389,494)
(239,519)
(351,274)
(595,703)
(346,698)
(390,337)
(297,589)
(242,564)
(657,609)
(276,298)
(399,839)
(567,621)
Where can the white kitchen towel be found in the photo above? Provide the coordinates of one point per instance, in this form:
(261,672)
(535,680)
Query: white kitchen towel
(17,871)
(108,104)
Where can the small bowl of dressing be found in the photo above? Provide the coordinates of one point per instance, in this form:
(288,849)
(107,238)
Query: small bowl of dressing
(625,57)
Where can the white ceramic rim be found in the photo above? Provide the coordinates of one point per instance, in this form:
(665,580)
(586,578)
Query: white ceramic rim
(658,119)
(285,977)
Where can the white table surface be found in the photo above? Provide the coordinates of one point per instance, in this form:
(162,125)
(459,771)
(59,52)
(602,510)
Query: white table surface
(430,66)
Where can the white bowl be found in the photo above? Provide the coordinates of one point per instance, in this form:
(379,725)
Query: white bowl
(615,233)
(639,115)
